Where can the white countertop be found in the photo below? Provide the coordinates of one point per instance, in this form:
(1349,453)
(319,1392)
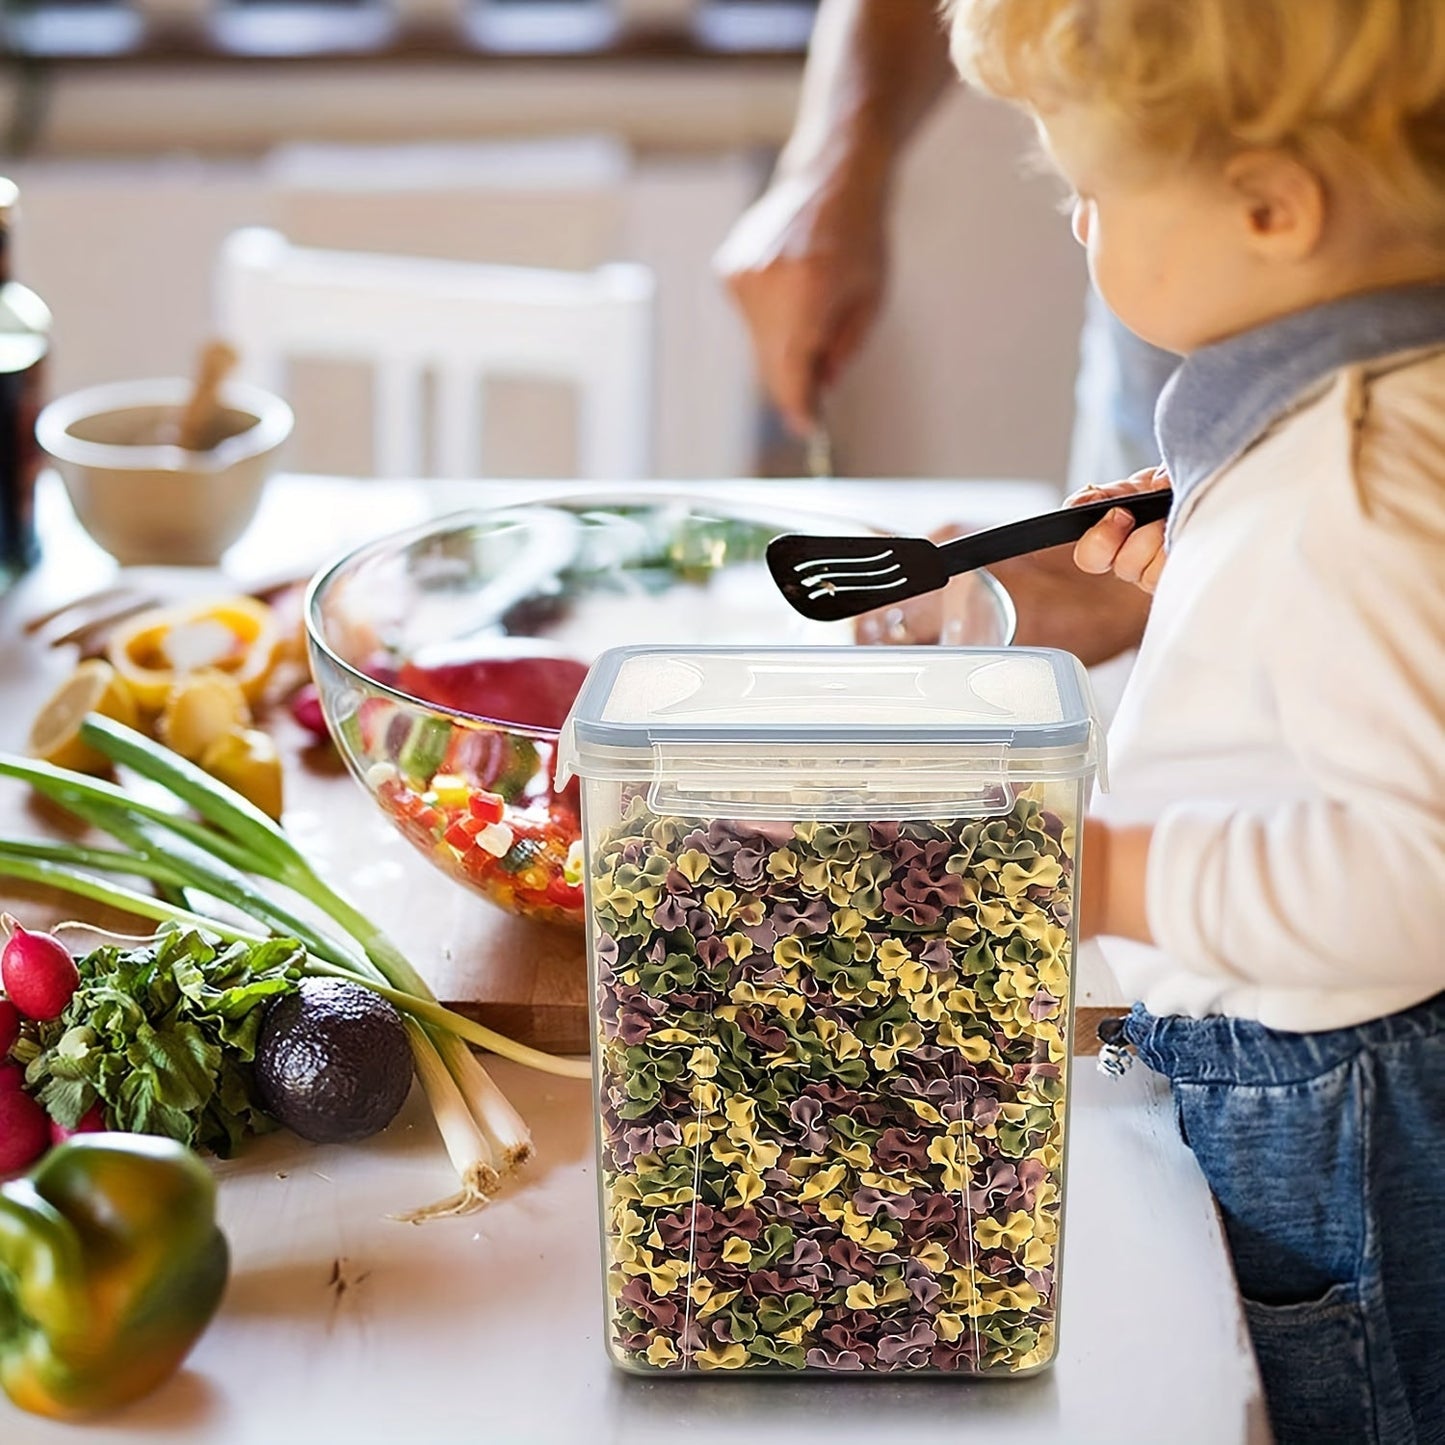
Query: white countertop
(342,1325)
(357,509)
(489,1328)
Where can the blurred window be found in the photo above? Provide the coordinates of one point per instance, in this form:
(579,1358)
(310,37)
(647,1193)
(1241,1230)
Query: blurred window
(66,28)
(302,27)
(754,24)
(76,29)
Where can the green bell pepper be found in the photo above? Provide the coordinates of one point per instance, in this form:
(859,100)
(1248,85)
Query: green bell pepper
(111,1265)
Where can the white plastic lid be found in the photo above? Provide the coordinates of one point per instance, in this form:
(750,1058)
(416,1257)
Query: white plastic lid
(1028,708)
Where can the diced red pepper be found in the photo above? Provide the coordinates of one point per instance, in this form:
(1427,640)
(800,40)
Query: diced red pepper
(565,894)
(487,807)
(528,878)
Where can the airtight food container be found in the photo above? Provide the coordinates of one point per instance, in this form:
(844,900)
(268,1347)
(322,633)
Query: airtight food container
(831,934)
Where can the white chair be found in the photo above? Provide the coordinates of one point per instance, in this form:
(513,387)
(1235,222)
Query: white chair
(460,322)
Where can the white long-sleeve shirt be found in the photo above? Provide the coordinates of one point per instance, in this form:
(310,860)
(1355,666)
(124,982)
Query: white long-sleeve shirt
(1284,726)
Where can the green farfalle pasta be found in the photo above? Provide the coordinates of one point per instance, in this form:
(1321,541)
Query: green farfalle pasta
(833,1077)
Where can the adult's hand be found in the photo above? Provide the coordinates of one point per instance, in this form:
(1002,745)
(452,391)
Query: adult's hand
(1094,617)
(806,265)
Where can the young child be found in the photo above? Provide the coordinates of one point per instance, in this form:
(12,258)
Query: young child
(1261,187)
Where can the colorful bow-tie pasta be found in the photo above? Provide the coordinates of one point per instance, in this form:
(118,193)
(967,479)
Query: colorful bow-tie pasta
(834,1060)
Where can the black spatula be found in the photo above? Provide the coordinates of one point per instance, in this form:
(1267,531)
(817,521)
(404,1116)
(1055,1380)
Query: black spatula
(830,578)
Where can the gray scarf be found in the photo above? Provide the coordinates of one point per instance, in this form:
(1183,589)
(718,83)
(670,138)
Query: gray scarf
(1224,397)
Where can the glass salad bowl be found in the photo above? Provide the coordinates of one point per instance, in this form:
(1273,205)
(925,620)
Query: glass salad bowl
(447,658)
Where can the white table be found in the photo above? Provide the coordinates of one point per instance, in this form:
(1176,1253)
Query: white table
(342,1325)
(488,1328)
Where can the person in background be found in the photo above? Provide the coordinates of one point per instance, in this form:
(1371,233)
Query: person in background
(807,266)
(1261,187)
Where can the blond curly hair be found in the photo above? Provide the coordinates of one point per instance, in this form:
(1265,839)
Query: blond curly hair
(1356,88)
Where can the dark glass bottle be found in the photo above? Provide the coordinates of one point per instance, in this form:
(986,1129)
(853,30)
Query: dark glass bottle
(24,342)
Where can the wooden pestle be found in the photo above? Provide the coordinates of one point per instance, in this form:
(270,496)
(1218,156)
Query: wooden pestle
(199,426)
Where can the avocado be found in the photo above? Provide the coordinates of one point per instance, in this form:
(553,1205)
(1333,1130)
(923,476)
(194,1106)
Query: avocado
(332,1063)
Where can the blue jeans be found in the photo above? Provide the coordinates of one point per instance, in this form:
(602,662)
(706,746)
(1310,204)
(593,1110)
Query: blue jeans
(1326,1154)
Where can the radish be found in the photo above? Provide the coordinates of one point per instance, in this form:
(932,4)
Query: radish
(12,1078)
(91,1122)
(39,974)
(306,709)
(9,1027)
(24,1131)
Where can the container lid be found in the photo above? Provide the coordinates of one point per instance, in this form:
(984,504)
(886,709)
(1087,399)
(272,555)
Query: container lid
(1029,706)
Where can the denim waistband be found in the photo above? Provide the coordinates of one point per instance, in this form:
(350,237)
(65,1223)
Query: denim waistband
(1240,1051)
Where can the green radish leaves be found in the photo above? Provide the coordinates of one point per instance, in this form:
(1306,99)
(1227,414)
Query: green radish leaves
(163,1034)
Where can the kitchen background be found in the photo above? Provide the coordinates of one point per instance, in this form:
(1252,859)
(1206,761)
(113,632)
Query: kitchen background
(546,132)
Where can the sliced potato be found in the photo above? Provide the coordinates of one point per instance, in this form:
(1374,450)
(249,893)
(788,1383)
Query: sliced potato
(246,760)
(201,709)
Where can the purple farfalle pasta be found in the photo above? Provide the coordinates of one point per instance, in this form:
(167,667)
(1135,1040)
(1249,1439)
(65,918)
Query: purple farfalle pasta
(832,1088)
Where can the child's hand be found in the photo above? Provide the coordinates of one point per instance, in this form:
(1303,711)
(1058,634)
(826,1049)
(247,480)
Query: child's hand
(1058,606)
(1117,544)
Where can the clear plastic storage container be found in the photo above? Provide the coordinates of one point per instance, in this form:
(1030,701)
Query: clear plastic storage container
(830,897)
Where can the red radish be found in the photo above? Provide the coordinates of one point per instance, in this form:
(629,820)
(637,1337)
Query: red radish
(90,1122)
(12,1078)
(306,709)
(40,975)
(9,1027)
(24,1131)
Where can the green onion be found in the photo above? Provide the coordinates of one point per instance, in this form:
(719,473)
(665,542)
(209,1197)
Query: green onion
(16,862)
(466,1144)
(103,860)
(507,1135)
(273,854)
(219,805)
(80,794)
(221,858)
(140,905)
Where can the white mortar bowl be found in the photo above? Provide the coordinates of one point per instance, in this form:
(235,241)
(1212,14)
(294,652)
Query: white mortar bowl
(147,501)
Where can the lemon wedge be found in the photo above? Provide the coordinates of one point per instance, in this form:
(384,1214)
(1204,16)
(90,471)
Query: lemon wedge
(246,760)
(94,686)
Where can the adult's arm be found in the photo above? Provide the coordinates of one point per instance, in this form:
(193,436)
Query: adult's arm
(807,262)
